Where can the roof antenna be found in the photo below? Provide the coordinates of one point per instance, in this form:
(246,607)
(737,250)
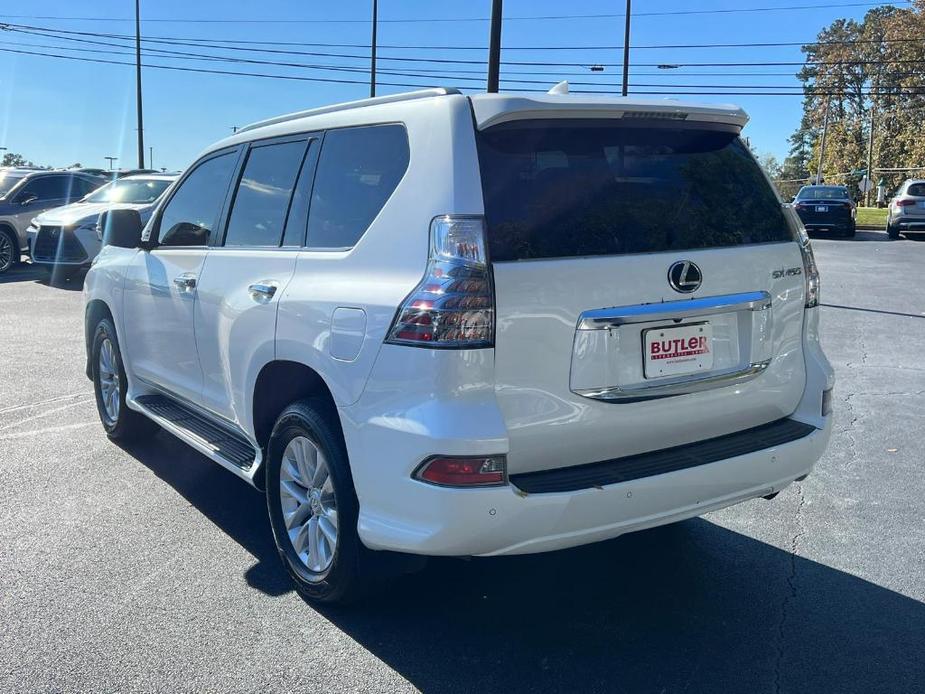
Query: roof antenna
(560,88)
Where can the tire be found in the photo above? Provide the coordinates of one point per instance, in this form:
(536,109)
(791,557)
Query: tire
(322,570)
(9,250)
(891,230)
(851,231)
(121,423)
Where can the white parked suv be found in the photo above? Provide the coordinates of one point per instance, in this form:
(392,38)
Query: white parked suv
(433,324)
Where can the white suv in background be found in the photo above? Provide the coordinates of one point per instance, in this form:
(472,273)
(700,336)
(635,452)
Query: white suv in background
(433,324)
(66,239)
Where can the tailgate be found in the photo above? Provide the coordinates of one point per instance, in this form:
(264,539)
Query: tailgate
(649,291)
(575,378)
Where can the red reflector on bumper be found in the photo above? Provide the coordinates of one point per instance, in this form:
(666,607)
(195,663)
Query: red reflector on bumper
(463,472)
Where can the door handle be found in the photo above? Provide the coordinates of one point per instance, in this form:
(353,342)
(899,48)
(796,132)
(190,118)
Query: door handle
(185,282)
(262,291)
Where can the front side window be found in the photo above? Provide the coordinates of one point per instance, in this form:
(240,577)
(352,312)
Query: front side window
(52,188)
(358,170)
(136,192)
(262,201)
(555,188)
(192,213)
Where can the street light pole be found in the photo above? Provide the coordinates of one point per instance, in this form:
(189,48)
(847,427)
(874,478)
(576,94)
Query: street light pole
(626,50)
(372,54)
(111,160)
(141,133)
(494,48)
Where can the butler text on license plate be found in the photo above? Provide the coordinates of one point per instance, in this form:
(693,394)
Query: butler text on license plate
(676,351)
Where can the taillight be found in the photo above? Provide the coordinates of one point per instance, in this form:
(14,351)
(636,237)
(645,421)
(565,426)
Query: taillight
(453,306)
(810,271)
(447,471)
(905,203)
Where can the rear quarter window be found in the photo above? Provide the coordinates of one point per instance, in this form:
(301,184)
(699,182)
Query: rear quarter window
(358,170)
(593,187)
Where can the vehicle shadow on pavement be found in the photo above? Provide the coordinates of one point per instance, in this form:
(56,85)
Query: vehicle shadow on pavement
(26,272)
(232,505)
(685,608)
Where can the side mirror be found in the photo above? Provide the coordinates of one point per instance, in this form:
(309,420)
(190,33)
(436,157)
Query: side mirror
(120,228)
(28,199)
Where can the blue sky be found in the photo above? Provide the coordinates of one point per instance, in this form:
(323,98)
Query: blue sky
(57,111)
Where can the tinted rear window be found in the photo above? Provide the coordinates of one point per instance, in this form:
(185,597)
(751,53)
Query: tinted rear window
(822,193)
(917,189)
(573,188)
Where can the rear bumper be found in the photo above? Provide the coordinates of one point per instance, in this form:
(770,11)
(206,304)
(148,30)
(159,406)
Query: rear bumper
(910,224)
(500,521)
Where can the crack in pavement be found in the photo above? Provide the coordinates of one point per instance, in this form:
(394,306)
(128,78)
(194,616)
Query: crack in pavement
(791,589)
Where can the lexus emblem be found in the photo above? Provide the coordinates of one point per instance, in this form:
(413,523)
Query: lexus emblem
(684,276)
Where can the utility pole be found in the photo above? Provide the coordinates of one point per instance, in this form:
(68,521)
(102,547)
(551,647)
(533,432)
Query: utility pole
(372,54)
(825,131)
(141,131)
(870,146)
(626,50)
(494,48)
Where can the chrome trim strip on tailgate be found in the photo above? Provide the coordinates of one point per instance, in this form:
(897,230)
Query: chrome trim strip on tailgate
(678,386)
(606,318)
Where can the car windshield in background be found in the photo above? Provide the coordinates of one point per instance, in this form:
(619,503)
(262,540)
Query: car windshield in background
(7,182)
(823,193)
(138,192)
(594,187)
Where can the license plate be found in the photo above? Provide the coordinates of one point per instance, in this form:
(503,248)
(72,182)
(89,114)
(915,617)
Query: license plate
(677,351)
(822,208)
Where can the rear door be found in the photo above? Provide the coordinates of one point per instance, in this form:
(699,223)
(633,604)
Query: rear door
(649,291)
(247,271)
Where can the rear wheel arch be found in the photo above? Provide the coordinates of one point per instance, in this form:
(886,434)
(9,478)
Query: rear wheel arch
(278,385)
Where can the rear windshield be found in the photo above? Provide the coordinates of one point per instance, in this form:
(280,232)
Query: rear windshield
(917,189)
(559,188)
(823,193)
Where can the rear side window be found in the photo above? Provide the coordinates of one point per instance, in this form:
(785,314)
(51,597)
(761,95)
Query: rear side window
(558,188)
(917,189)
(358,170)
(192,213)
(264,192)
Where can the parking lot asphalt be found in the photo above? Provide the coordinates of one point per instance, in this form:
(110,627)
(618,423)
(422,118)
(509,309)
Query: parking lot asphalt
(150,568)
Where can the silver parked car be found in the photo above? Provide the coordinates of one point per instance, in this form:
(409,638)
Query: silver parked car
(66,238)
(906,213)
(24,193)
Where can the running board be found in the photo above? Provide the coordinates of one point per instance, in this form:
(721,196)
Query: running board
(226,447)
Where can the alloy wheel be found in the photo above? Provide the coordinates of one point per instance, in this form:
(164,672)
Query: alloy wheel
(6,252)
(110,385)
(308,503)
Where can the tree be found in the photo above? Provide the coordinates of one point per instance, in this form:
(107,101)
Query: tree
(853,68)
(13,159)
(770,164)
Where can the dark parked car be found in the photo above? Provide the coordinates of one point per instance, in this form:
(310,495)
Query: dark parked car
(826,208)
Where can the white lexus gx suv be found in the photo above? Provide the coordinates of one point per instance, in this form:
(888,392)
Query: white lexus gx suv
(438,324)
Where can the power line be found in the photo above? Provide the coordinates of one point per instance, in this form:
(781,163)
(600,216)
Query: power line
(427,20)
(456,61)
(681,90)
(181,40)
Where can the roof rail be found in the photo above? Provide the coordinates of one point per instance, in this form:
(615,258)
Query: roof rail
(348,105)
